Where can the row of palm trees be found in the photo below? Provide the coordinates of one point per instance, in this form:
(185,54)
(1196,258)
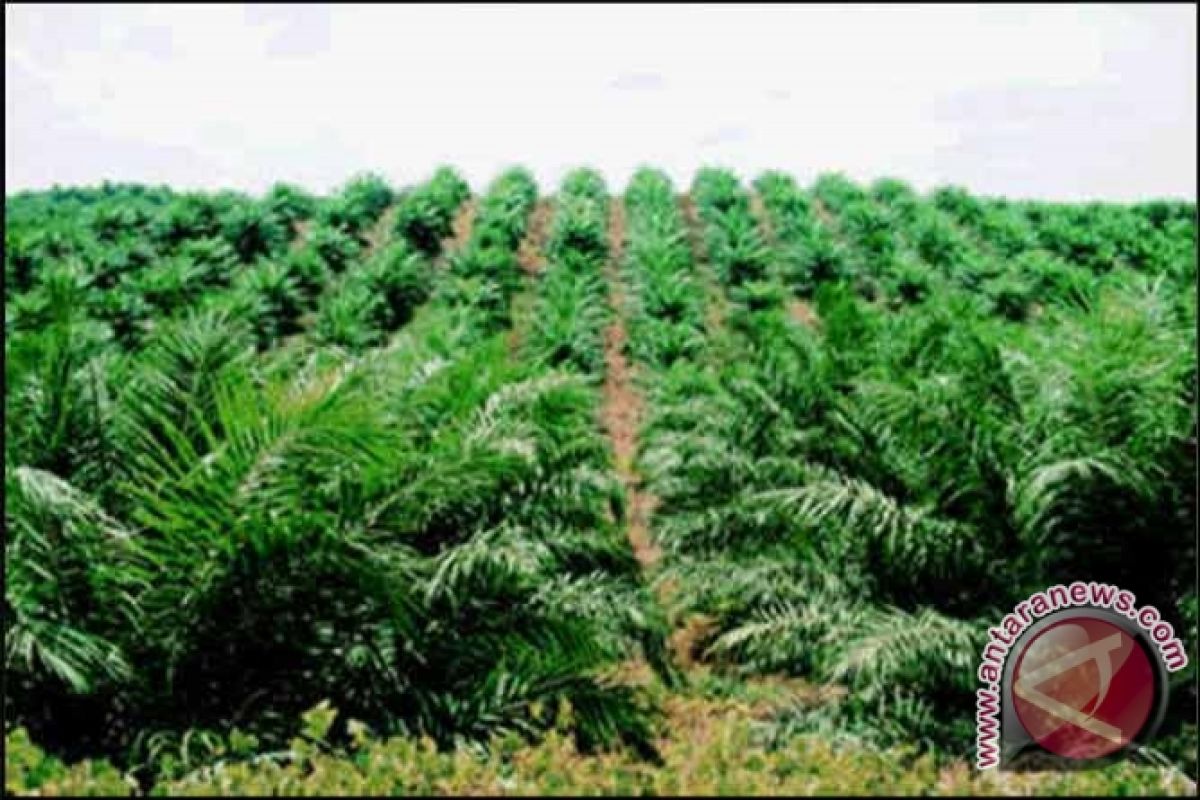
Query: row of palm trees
(857,500)
(212,533)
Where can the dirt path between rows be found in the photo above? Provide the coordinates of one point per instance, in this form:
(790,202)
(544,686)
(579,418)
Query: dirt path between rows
(532,258)
(622,409)
(380,232)
(714,313)
(759,210)
(300,230)
(529,254)
(460,227)
(690,715)
(823,216)
(798,309)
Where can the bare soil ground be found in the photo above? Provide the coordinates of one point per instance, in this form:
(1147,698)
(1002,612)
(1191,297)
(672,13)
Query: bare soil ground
(530,254)
(300,231)
(532,259)
(803,312)
(460,228)
(380,233)
(823,215)
(689,711)
(622,407)
(799,310)
(764,219)
(690,717)
(714,316)
(686,640)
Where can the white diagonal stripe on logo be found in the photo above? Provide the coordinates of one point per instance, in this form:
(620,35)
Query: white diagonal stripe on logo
(1024,687)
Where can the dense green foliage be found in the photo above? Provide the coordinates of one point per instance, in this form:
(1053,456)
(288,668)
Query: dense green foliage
(202,536)
(727,757)
(857,500)
(267,453)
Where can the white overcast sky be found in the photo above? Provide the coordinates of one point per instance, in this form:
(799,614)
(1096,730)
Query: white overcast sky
(1054,101)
